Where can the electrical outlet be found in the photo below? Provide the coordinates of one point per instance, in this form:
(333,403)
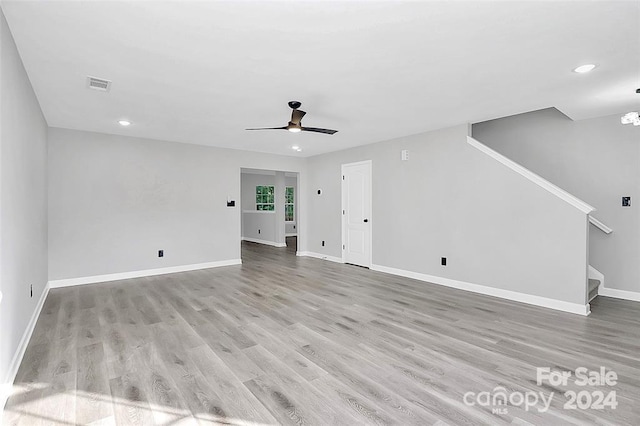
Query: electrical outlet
(443,261)
(258,231)
(160,253)
(322,243)
(31,289)
(626,201)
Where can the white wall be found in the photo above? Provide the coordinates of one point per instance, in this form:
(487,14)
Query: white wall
(249,183)
(496,228)
(23,202)
(597,160)
(290,228)
(116,201)
(259,225)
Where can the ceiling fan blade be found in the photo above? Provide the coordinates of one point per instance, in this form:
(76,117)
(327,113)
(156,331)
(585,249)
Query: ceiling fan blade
(296,116)
(269,128)
(315,129)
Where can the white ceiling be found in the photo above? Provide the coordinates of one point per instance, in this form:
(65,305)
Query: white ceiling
(201,72)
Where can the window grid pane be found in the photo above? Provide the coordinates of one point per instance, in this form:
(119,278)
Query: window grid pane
(265,198)
(289,204)
(288,212)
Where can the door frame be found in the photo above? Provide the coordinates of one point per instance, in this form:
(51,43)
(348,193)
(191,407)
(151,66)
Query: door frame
(343,206)
(299,208)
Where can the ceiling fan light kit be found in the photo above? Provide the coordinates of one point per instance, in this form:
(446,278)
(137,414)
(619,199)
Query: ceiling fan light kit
(295,125)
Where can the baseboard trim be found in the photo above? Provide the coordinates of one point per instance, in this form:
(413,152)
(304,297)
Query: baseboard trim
(619,294)
(143,273)
(265,242)
(7,384)
(319,256)
(574,308)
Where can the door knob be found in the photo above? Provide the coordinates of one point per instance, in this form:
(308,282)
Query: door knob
(366,220)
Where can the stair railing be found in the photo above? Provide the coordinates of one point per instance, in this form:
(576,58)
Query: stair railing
(601,226)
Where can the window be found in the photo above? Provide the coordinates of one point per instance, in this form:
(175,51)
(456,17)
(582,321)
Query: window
(288,204)
(264,198)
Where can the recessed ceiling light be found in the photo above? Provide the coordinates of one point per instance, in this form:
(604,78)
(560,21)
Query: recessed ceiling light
(124,123)
(631,118)
(584,68)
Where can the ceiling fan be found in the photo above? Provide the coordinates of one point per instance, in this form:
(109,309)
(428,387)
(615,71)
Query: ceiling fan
(295,124)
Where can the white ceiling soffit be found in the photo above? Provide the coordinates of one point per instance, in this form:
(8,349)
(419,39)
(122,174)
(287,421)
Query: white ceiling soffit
(266,172)
(258,172)
(202,72)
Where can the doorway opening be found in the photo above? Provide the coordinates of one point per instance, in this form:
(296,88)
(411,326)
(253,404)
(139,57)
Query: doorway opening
(269,205)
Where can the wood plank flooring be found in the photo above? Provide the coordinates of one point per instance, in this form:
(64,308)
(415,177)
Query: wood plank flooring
(287,340)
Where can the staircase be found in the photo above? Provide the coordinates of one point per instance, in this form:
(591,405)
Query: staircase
(593,288)
(596,279)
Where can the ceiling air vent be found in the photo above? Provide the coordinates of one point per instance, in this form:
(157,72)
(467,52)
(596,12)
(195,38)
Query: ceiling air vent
(98,84)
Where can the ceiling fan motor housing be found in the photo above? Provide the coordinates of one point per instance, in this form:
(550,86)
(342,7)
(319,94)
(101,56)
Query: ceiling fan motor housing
(295,124)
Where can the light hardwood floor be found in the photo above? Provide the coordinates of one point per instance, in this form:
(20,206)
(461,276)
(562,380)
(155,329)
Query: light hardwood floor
(286,340)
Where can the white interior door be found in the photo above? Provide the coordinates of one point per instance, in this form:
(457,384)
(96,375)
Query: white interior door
(356,213)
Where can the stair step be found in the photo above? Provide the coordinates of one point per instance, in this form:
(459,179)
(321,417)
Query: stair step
(593,284)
